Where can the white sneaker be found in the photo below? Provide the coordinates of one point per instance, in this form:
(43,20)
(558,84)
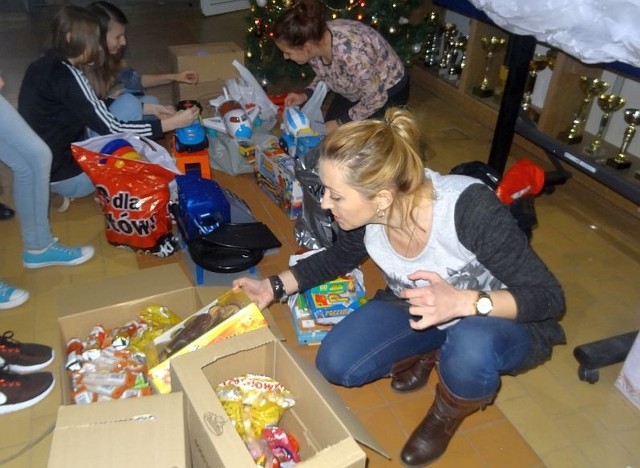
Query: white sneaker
(60,203)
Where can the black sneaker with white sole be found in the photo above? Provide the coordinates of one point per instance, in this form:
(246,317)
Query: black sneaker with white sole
(23,357)
(18,392)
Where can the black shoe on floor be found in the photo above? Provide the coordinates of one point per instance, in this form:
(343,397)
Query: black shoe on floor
(6,212)
(22,358)
(19,392)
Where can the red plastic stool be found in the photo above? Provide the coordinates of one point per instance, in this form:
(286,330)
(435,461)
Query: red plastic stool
(198,161)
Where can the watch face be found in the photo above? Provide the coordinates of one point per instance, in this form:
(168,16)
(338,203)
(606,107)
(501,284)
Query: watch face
(484,305)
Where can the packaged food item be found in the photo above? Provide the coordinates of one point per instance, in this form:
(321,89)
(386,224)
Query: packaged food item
(254,402)
(284,446)
(111,363)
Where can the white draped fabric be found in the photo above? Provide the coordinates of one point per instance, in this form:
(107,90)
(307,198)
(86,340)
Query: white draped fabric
(592,31)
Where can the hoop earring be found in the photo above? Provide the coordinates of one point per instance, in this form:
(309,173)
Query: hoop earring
(381,213)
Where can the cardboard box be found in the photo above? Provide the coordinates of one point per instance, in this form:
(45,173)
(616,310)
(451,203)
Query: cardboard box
(214,64)
(245,317)
(275,174)
(325,429)
(114,301)
(332,301)
(148,431)
(308,331)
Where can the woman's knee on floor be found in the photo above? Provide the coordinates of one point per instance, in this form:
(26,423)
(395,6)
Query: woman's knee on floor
(467,362)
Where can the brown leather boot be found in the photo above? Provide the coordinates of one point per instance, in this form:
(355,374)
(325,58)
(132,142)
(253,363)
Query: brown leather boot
(430,439)
(413,372)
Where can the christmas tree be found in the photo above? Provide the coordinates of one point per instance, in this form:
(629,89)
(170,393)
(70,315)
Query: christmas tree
(395,20)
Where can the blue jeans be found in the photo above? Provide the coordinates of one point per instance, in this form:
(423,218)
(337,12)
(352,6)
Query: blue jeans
(128,107)
(29,159)
(474,352)
(74,187)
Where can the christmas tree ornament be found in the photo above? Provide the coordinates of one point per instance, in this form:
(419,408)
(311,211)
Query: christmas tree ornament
(403,20)
(415,48)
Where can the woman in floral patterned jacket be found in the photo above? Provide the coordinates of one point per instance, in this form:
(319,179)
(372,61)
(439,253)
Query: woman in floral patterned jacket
(353,59)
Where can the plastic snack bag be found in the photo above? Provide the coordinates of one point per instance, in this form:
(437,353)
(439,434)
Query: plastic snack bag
(134,196)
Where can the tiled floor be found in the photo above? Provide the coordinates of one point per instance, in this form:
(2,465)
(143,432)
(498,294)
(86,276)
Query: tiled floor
(546,417)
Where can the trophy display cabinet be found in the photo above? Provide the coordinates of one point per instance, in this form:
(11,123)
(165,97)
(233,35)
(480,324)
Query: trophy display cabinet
(557,97)
(496,85)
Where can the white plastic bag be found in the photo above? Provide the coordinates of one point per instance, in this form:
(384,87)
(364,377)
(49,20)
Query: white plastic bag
(224,153)
(313,108)
(247,90)
(148,149)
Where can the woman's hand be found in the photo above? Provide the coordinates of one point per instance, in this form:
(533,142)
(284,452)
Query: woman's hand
(436,303)
(330,126)
(187,76)
(259,291)
(295,99)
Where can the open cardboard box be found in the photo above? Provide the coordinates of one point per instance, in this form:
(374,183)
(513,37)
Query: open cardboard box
(114,301)
(325,429)
(113,433)
(147,431)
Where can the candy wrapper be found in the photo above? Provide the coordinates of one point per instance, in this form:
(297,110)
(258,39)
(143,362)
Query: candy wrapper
(253,402)
(111,363)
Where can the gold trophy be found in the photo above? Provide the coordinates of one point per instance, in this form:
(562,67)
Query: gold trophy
(552,55)
(537,64)
(458,57)
(591,87)
(449,33)
(608,103)
(621,161)
(432,47)
(492,45)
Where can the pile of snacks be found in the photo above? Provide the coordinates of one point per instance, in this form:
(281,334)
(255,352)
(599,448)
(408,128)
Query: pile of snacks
(255,404)
(112,363)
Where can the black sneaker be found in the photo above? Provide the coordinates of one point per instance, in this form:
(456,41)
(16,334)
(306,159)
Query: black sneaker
(23,357)
(19,392)
(6,212)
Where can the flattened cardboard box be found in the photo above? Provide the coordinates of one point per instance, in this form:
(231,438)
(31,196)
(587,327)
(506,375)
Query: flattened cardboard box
(325,429)
(148,431)
(212,61)
(114,301)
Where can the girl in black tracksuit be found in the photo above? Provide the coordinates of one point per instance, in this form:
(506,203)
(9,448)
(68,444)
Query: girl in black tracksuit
(58,102)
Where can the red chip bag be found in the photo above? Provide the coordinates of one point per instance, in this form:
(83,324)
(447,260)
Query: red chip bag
(523,178)
(134,197)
